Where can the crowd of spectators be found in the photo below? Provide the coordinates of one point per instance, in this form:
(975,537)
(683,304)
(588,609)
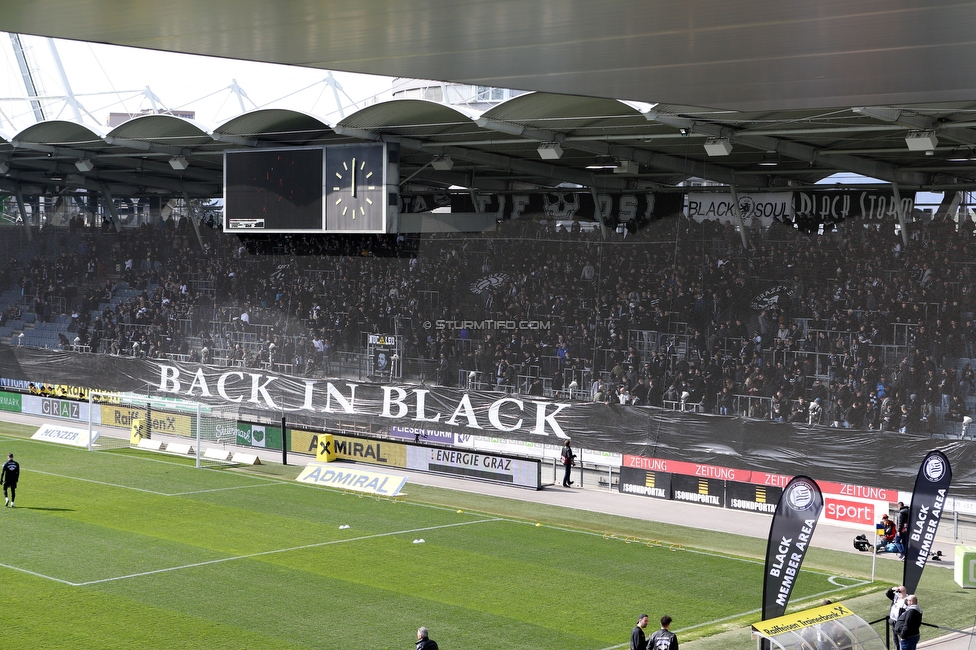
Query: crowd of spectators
(669,316)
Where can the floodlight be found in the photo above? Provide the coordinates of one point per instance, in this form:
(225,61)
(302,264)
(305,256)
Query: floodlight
(550,151)
(84,165)
(626,167)
(718,146)
(178,163)
(921,140)
(442,163)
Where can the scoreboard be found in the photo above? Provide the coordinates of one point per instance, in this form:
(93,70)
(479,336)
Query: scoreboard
(348,188)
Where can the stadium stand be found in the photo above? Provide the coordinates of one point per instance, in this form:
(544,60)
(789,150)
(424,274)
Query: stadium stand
(845,329)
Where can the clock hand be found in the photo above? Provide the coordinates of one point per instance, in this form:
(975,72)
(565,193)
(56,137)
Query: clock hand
(352,181)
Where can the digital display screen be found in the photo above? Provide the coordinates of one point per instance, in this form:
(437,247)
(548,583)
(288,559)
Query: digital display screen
(274,190)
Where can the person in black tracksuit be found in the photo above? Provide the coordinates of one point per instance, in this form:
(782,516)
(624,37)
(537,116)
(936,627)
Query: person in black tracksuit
(637,639)
(663,639)
(9,476)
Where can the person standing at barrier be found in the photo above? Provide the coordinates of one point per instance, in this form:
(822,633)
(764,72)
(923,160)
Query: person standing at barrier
(909,624)
(568,459)
(637,639)
(901,536)
(9,476)
(424,642)
(897,597)
(663,639)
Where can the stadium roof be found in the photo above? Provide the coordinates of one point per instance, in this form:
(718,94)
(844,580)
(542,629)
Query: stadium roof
(788,94)
(757,55)
(634,146)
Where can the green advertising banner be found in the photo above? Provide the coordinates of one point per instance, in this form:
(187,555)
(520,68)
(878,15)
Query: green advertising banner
(10,402)
(258,435)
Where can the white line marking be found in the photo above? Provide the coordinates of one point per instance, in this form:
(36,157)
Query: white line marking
(147,491)
(38,575)
(91,480)
(249,555)
(223,489)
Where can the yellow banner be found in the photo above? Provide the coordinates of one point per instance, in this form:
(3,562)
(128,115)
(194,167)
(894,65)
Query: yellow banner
(352,478)
(162,422)
(800,620)
(375,452)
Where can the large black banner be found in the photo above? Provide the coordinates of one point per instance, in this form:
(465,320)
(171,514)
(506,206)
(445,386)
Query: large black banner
(928,501)
(790,533)
(615,208)
(839,455)
(834,206)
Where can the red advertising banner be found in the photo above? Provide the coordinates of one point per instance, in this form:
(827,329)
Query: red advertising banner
(756,478)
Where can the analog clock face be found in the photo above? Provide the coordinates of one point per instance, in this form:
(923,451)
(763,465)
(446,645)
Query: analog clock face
(355,188)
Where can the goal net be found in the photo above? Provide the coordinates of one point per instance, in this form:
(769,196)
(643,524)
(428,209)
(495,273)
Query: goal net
(172,426)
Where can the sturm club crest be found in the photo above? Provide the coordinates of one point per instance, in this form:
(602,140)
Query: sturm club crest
(800,496)
(934,469)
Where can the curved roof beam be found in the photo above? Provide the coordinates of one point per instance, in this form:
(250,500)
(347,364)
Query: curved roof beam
(953,132)
(796,150)
(665,162)
(553,172)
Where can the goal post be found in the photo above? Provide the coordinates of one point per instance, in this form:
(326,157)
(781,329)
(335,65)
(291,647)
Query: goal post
(174,426)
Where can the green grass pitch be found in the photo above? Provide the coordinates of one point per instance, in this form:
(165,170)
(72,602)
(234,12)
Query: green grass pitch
(129,550)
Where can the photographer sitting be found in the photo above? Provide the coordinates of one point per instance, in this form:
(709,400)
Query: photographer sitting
(886,532)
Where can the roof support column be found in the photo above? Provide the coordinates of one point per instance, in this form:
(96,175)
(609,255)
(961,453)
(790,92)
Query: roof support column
(110,205)
(19,193)
(900,209)
(738,216)
(191,217)
(597,214)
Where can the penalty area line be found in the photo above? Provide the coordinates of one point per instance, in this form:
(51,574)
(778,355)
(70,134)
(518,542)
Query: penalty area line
(271,552)
(156,492)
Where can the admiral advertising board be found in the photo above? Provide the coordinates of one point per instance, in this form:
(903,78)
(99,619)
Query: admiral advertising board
(362,450)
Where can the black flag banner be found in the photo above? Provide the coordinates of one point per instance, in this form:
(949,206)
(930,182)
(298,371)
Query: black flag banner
(789,538)
(928,501)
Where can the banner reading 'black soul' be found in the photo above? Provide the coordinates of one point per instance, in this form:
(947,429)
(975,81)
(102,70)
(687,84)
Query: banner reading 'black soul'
(928,501)
(789,538)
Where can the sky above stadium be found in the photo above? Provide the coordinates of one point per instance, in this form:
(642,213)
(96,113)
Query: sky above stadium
(109,78)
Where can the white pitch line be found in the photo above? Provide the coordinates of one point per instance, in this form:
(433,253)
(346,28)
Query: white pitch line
(161,494)
(91,480)
(273,552)
(38,575)
(224,489)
